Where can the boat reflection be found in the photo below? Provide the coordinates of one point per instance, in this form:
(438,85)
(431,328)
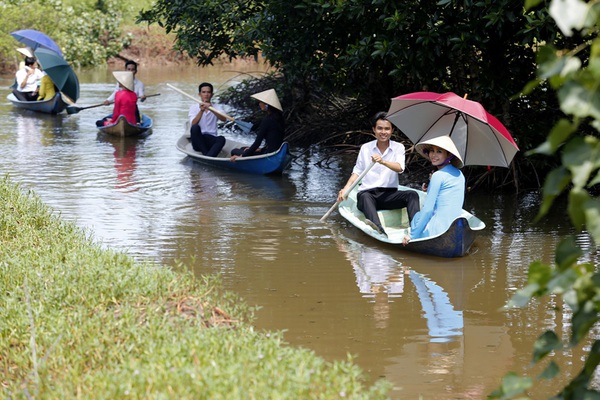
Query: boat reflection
(124,153)
(382,277)
(36,128)
(243,186)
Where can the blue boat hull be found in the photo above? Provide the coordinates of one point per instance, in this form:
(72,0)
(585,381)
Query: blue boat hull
(272,163)
(55,105)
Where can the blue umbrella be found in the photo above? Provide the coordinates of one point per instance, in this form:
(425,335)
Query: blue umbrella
(59,71)
(35,40)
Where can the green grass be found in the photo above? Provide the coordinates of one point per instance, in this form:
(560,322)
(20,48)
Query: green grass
(79,321)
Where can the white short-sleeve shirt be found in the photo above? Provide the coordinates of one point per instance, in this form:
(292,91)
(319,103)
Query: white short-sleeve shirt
(208,122)
(379,175)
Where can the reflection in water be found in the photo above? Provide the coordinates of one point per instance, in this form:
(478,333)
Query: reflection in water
(125,158)
(443,321)
(381,277)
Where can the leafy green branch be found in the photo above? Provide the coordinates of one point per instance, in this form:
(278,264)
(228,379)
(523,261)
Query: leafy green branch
(575,76)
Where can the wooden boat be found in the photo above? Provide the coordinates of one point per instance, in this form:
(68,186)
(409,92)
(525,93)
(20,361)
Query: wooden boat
(123,128)
(271,163)
(53,106)
(455,242)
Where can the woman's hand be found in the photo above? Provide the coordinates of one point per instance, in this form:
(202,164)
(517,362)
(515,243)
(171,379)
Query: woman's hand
(233,158)
(405,240)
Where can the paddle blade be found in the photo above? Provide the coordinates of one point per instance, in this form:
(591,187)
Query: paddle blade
(73,110)
(245,126)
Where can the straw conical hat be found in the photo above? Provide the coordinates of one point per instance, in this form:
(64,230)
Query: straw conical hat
(125,78)
(26,51)
(268,97)
(445,143)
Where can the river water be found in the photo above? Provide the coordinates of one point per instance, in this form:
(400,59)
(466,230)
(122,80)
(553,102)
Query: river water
(433,327)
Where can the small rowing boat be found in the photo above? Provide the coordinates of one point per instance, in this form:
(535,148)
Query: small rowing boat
(455,242)
(53,106)
(271,163)
(123,128)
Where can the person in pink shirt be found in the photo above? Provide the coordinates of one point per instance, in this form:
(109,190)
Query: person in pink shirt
(125,101)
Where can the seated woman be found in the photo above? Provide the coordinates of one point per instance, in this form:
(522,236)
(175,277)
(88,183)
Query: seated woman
(446,191)
(125,101)
(271,129)
(47,89)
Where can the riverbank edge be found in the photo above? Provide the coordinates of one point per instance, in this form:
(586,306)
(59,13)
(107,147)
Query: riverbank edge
(80,321)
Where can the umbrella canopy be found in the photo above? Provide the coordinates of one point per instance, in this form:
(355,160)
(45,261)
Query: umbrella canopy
(479,137)
(60,72)
(35,40)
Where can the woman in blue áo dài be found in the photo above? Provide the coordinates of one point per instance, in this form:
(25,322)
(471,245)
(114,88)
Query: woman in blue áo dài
(446,190)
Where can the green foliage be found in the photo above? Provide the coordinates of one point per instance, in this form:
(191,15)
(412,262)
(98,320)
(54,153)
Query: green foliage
(370,48)
(373,50)
(79,319)
(575,75)
(91,36)
(88,32)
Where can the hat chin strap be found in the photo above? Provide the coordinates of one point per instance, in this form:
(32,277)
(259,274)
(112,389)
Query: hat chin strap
(448,161)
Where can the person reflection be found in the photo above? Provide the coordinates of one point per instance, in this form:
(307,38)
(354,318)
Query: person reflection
(377,272)
(443,321)
(382,278)
(378,276)
(125,160)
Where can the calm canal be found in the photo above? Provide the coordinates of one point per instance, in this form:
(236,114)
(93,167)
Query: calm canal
(431,326)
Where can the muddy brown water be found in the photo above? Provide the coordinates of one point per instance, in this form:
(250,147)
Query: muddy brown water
(433,327)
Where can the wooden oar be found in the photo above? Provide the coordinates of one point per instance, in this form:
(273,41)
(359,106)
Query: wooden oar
(345,195)
(75,110)
(245,126)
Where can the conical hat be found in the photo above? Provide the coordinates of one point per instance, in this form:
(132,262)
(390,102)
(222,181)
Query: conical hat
(269,97)
(445,143)
(125,78)
(26,51)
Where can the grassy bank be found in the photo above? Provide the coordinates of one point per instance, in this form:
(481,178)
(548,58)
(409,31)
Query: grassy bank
(78,321)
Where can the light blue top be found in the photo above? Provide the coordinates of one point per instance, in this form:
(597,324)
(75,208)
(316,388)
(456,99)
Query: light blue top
(444,202)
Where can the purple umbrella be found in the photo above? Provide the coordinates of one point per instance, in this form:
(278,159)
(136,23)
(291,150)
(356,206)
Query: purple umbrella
(35,40)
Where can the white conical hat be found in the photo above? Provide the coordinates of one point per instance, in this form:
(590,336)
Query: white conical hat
(26,51)
(444,142)
(125,78)
(268,97)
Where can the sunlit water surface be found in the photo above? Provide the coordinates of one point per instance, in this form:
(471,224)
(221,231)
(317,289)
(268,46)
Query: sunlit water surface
(431,326)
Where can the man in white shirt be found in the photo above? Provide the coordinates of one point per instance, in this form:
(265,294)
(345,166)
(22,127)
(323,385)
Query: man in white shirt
(379,187)
(203,124)
(28,80)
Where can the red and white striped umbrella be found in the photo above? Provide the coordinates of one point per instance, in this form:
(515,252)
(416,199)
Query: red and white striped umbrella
(479,137)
